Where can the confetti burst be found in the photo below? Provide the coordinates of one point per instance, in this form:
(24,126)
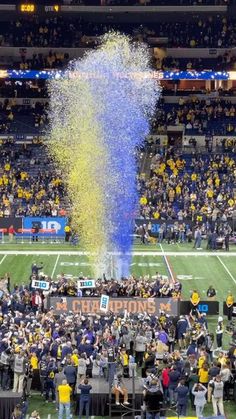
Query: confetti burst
(100,114)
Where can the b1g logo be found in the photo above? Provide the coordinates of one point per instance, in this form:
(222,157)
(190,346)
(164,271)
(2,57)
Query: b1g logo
(51,225)
(89,283)
(42,285)
(203,308)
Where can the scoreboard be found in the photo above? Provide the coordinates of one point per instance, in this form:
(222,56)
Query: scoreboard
(32,8)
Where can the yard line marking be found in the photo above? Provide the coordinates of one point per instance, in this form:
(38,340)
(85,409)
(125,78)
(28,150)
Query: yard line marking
(4,257)
(55,265)
(227,270)
(167,263)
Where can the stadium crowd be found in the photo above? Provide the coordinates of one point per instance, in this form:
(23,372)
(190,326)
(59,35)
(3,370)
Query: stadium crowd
(202,193)
(176,357)
(34,188)
(211,115)
(209,32)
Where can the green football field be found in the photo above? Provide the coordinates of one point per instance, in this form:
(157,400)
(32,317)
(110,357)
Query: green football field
(194,268)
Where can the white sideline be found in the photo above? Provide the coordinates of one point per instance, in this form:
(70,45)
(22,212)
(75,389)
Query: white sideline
(55,265)
(135,253)
(227,270)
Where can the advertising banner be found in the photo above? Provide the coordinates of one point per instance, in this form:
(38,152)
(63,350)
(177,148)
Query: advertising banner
(208,307)
(151,306)
(46,223)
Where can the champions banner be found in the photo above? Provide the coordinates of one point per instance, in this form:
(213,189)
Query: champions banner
(85,305)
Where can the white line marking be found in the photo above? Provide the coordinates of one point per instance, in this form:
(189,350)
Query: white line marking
(57,259)
(227,270)
(167,263)
(4,257)
(134,253)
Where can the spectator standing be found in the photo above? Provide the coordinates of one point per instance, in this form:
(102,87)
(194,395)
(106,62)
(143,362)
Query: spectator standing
(64,393)
(182,398)
(85,396)
(230,305)
(140,347)
(153,398)
(199,391)
(219,332)
(11,233)
(217,396)
(20,364)
(70,373)
(174,376)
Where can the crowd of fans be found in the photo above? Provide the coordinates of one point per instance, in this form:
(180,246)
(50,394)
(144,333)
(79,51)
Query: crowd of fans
(209,32)
(200,189)
(216,116)
(30,118)
(39,350)
(145,287)
(34,188)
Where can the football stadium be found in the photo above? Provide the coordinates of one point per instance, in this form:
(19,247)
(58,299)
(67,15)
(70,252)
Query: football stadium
(118,209)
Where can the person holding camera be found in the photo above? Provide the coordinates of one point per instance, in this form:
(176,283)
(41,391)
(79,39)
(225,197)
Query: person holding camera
(153,398)
(85,397)
(199,391)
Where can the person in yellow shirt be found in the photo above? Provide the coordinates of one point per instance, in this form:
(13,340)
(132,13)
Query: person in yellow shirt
(230,305)
(75,358)
(34,361)
(203,375)
(64,393)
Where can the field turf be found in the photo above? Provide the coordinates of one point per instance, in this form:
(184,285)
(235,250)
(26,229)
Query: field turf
(194,268)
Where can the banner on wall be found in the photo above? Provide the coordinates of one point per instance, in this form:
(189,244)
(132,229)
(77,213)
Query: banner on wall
(46,223)
(151,306)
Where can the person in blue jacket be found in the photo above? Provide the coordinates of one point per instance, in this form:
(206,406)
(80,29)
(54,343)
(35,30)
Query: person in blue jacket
(182,398)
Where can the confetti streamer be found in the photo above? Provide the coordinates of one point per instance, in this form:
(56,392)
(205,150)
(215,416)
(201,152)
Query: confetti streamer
(100,114)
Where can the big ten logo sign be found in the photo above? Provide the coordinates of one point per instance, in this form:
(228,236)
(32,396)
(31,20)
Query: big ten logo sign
(51,225)
(203,308)
(42,285)
(104,302)
(86,284)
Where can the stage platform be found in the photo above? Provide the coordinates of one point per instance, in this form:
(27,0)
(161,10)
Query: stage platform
(8,400)
(100,397)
